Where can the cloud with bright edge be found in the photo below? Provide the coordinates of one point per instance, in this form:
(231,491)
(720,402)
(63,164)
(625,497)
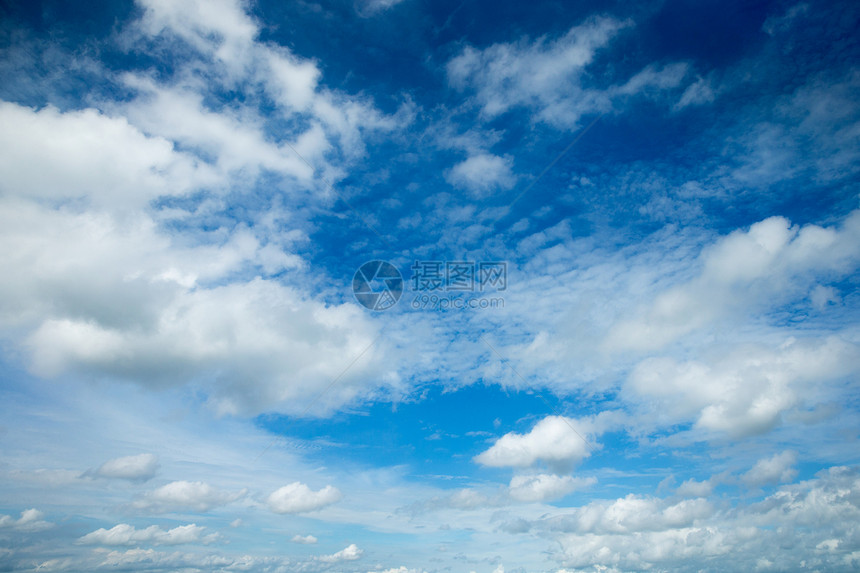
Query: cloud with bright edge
(349,553)
(299,498)
(30,520)
(557,441)
(184,495)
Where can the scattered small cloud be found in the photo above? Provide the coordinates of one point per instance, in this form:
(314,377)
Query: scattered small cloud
(304,539)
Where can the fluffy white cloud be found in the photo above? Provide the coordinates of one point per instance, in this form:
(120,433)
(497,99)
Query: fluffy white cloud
(349,553)
(102,287)
(30,520)
(636,533)
(140,467)
(545,487)
(557,441)
(115,297)
(184,495)
(124,534)
(235,140)
(299,498)
(695,488)
(304,539)
(226,38)
(221,29)
(745,392)
(481,174)
(86,155)
(775,469)
(771,263)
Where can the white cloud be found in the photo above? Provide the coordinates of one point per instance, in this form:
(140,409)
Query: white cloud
(545,487)
(481,174)
(547,76)
(651,78)
(557,441)
(698,93)
(746,270)
(221,29)
(87,155)
(775,469)
(226,37)
(30,520)
(745,392)
(544,74)
(349,553)
(235,140)
(124,534)
(140,467)
(304,539)
(114,296)
(695,488)
(299,498)
(183,495)
(368,8)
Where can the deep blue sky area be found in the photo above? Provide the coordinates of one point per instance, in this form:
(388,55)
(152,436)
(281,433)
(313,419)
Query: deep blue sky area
(659,373)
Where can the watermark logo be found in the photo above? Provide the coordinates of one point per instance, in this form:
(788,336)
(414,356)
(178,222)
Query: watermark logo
(438,285)
(377,285)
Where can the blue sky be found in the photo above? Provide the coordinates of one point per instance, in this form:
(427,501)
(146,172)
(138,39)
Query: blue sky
(666,380)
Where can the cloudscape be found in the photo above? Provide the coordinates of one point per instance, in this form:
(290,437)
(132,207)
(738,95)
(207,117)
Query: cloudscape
(416,286)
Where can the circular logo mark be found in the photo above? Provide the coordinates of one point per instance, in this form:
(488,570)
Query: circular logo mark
(377,285)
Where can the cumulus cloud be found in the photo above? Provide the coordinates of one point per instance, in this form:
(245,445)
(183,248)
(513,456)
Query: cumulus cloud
(770,263)
(483,173)
(695,488)
(745,392)
(299,498)
(637,533)
(633,513)
(103,288)
(124,534)
(556,441)
(304,539)
(184,495)
(117,298)
(775,469)
(140,467)
(30,520)
(545,487)
(349,553)
(88,155)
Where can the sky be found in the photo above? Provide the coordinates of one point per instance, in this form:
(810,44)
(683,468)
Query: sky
(416,286)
